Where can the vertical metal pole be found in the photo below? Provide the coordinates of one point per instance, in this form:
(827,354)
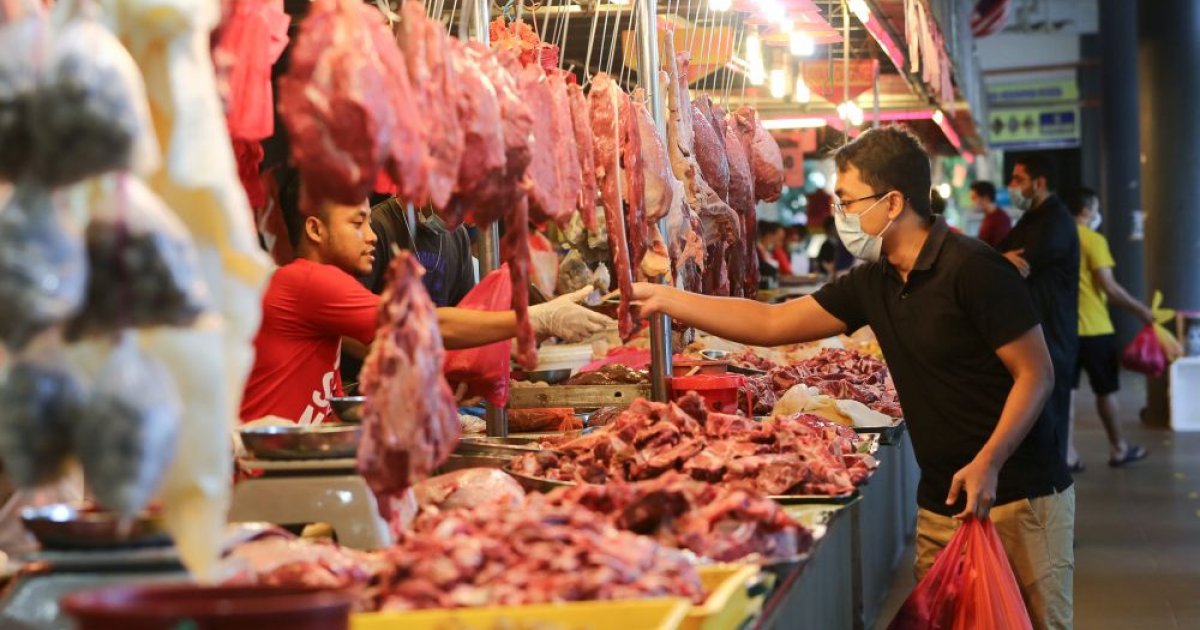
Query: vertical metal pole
(660,325)
(489,236)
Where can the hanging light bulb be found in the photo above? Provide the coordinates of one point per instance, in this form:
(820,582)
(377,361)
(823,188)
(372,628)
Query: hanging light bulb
(802,44)
(851,113)
(720,5)
(778,83)
(801,94)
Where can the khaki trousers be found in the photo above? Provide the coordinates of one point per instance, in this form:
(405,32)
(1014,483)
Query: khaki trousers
(1038,536)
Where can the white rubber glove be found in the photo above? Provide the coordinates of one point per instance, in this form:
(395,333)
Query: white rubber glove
(564,318)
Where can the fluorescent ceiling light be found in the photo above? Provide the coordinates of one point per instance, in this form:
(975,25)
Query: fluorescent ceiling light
(860,10)
(720,5)
(801,94)
(794,123)
(778,83)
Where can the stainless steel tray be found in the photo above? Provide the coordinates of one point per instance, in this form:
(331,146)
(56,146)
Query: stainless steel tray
(67,526)
(576,396)
(325,441)
(505,447)
(541,484)
(888,435)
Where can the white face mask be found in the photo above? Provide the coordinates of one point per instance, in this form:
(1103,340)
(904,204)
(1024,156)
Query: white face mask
(1094,222)
(868,247)
(1019,200)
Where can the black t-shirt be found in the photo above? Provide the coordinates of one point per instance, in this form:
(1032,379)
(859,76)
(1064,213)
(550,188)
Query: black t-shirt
(446,255)
(1050,238)
(939,334)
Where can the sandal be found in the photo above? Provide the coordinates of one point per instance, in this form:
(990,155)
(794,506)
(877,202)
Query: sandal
(1132,454)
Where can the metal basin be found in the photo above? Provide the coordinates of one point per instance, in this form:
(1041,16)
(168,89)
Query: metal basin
(66,526)
(326,441)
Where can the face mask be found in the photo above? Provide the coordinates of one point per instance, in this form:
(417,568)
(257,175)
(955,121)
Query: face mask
(433,222)
(868,247)
(1094,222)
(1019,200)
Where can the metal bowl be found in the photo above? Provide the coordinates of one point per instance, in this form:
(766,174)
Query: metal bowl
(550,377)
(348,408)
(66,526)
(325,441)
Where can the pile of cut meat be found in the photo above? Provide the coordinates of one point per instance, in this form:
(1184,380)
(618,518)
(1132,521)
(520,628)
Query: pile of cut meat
(711,521)
(802,454)
(844,375)
(489,555)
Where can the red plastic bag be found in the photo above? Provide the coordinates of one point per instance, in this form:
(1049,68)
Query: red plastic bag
(485,369)
(970,587)
(1145,354)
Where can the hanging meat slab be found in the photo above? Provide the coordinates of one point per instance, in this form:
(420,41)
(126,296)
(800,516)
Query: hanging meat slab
(514,248)
(766,162)
(496,197)
(605,99)
(410,420)
(581,121)
(545,193)
(407,160)
(331,104)
(566,149)
(741,199)
(483,159)
(633,180)
(710,149)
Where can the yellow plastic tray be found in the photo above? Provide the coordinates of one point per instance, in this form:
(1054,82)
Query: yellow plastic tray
(728,603)
(630,614)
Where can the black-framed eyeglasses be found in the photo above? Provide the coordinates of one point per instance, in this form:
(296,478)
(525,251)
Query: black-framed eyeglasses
(840,206)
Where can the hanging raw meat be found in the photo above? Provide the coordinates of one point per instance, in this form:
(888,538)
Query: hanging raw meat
(545,193)
(633,190)
(484,158)
(407,160)
(741,199)
(330,102)
(520,38)
(766,162)
(605,99)
(566,150)
(514,248)
(426,49)
(251,41)
(410,420)
(581,120)
(710,148)
(497,196)
(661,189)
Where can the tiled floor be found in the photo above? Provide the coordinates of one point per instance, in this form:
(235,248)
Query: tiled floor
(1137,557)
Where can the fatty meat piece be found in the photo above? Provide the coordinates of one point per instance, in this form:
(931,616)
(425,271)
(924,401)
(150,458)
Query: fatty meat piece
(39,401)
(660,190)
(334,103)
(468,488)
(127,434)
(43,266)
(410,420)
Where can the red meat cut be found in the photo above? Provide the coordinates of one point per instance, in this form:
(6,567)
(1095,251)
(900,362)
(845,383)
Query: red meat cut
(581,121)
(766,162)
(605,99)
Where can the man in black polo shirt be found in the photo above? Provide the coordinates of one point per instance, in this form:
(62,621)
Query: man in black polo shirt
(1044,247)
(963,342)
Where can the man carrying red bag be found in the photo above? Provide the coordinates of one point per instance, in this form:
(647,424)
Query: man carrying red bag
(958,329)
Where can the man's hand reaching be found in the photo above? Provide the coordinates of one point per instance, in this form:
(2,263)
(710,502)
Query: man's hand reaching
(1017,258)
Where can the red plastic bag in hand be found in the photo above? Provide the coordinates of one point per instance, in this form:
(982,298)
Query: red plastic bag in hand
(1145,354)
(970,587)
(485,369)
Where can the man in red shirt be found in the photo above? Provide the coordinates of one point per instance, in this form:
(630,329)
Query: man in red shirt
(315,301)
(996,223)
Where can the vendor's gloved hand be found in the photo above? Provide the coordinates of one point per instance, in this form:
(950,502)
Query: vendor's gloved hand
(564,318)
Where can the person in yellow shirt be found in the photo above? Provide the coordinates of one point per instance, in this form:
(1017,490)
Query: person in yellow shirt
(1099,355)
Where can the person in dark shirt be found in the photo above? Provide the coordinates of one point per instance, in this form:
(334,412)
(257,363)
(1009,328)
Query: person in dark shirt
(1044,247)
(996,223)
(770,243)
(962,341)
(445,254)
(833,257)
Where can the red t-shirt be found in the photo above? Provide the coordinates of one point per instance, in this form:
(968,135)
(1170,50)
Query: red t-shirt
(995,228)
(307,309)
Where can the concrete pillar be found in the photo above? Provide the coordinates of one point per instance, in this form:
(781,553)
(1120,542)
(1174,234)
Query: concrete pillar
(1169,69)
(1120,186)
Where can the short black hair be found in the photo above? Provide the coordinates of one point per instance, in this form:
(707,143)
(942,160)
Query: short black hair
(288,181)
(891,158)
(984,189)
(937,203)
(1038,165)
(1078,200)
(768,227)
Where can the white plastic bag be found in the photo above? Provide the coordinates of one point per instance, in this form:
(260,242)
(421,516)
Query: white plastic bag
(144,269)
(41,395)
(126,437)
(43,269)
(92,115)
